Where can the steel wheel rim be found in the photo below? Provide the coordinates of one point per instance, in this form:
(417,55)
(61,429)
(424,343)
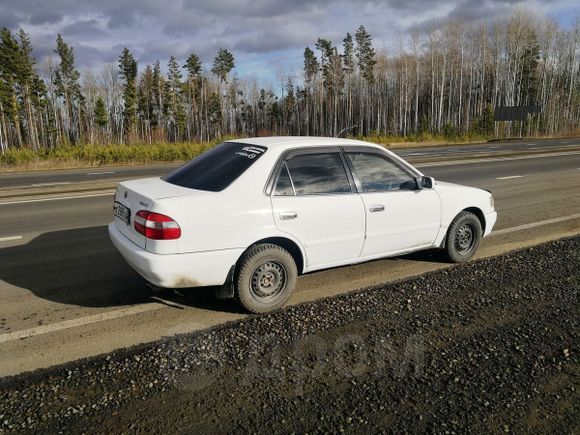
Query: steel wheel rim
(268,280)
(465,238)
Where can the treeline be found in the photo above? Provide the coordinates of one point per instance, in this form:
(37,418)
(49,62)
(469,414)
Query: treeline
(446,82)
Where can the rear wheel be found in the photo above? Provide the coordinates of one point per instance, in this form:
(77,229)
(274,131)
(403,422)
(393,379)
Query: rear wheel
(463,237)
(265,278)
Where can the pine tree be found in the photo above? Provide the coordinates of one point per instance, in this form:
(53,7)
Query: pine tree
(348,62)
(310,65)
(348,53)
(325,47)
(193,66)
(100,115)
(27,81)
(9,104)
(215,110)
(66,80)
(158,90)
(333,72)
(175,90)
(146,99)
(128,70)
(194,92)
(365,54)
(223,64)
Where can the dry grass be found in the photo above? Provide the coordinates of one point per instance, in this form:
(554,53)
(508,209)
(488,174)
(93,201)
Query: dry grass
(424,140)
(90,156)
(95,156)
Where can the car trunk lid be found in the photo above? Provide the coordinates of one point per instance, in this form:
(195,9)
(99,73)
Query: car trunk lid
(132,196)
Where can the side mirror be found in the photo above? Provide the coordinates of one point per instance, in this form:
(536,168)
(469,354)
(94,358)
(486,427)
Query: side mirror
(425,182)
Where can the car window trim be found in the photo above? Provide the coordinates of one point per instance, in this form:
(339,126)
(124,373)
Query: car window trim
(369,150)
(282,166)
(396,160)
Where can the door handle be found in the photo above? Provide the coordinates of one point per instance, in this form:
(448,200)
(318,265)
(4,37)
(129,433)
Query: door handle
(286,215)
(376,208)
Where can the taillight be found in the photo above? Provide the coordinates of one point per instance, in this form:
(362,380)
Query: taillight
(156,226)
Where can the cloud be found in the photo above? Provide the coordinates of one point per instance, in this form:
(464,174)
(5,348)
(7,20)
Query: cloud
(255,8)
(264,35)
(44,17)
(89,28)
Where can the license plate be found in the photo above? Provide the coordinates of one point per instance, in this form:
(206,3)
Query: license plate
(122,212)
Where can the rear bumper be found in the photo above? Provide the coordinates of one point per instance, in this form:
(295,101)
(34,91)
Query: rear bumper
(490,220)
(176,270)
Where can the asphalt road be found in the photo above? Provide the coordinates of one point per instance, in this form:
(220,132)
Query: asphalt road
(66,293)
(38,179)
(526,145)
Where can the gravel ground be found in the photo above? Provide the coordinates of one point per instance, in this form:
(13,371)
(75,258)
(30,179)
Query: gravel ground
(486,347)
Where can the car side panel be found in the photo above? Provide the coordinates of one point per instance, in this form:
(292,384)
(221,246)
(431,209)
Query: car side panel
(330,227)
(400,220)
(456,198)
(176,270)
(220,221)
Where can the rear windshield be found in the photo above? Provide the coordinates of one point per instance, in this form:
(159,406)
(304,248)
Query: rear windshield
(217,168)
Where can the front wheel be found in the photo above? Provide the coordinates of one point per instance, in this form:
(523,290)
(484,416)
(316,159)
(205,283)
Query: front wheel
(265,278)
(463,237)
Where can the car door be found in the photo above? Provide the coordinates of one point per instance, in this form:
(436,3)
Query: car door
(399,216)
(314,200)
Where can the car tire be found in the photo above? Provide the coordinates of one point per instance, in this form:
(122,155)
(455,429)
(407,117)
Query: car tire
(265,278)
(463,237)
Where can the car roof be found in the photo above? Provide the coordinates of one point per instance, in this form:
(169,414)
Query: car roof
(283,142)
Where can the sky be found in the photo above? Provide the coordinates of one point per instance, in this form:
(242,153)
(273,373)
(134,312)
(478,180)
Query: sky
(267,37)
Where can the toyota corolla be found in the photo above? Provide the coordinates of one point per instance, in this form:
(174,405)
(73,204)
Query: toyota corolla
(250,215)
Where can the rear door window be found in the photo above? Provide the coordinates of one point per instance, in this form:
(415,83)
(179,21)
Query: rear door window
(314,174)
(217,168)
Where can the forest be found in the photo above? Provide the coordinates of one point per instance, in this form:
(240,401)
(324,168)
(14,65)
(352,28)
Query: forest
(442,82)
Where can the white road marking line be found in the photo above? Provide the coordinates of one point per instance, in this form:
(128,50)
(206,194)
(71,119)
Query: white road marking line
(26,201)
(495,159)
(420,165)
(531,144)
(59,183)
(143,308)
(10,238)
(101,173)
(73,323)
(536,224)
(510,177)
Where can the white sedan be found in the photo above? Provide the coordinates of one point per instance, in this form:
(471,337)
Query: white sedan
(251,214)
